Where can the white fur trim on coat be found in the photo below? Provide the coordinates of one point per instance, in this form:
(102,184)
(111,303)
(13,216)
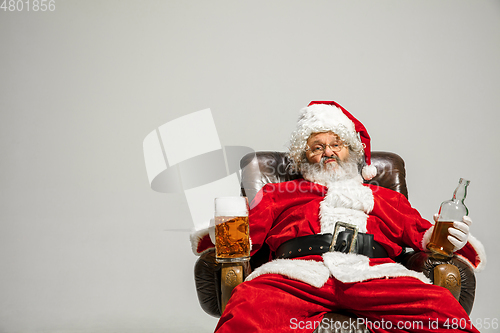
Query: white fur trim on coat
(195,237)
(346,268)
(350,267)
(427,238)
(346,201)
(481,254)
(308,271)
(330,216)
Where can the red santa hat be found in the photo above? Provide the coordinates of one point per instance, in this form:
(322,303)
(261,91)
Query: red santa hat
(329,116)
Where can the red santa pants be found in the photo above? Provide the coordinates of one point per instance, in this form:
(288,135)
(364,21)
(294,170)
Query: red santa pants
(274,303)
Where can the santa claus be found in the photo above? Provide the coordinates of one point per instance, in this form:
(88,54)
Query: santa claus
(315,269)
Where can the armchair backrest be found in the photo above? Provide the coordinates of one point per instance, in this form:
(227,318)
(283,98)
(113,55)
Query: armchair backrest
(261,168)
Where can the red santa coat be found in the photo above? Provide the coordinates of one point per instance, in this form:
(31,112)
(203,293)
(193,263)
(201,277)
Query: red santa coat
(297,208)
(287,210)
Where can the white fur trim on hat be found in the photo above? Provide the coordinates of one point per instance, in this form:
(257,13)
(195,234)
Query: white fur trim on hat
(368,172)
(322,117)
(318,118)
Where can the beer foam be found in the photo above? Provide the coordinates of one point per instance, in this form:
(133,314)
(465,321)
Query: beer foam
(231,206)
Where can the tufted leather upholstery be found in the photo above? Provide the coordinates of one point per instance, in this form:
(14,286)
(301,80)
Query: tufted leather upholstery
(261,168)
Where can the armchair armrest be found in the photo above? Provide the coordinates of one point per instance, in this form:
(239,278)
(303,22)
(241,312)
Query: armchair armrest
(207,274)
(215,281)
(232,274)
(452,273)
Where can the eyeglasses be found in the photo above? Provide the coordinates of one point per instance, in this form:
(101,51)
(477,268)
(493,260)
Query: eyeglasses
(319,149)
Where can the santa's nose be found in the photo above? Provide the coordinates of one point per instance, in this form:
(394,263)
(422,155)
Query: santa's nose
(328,152)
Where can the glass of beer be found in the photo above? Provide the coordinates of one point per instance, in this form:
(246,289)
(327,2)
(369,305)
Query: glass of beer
(232,242)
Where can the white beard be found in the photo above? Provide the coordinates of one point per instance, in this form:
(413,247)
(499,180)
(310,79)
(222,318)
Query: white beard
(324,174)
(347,200)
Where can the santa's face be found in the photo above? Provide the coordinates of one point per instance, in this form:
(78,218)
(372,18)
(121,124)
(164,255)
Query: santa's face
(322,146)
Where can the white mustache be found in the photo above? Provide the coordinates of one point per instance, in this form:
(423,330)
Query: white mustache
(326,158)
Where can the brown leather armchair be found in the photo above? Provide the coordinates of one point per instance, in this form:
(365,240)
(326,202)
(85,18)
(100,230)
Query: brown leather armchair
(214,282)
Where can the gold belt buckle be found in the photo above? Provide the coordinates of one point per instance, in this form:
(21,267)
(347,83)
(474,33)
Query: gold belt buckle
(336,232)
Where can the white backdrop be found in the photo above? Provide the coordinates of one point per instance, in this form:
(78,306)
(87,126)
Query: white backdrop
(87,246)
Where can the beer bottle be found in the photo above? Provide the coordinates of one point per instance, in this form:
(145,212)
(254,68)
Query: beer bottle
(450,210)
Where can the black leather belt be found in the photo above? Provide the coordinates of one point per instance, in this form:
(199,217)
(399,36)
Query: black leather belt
(321,243)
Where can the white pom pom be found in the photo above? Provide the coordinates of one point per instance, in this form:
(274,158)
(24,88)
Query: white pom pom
(368,172)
